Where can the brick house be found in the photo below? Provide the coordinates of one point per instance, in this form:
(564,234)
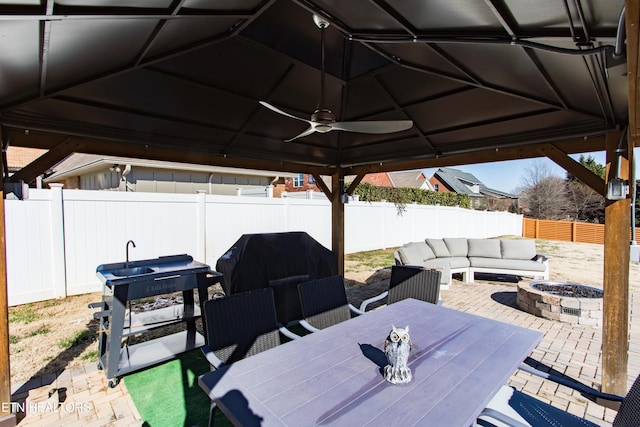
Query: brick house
(19,157)
(403,179)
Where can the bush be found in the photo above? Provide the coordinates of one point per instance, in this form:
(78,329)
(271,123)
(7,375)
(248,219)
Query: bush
(403,196)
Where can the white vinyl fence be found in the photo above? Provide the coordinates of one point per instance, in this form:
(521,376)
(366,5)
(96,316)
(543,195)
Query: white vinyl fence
(57,238)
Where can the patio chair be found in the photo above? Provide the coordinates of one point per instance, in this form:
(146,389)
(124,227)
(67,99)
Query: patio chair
(239,325)
(324,303)
(408,281)
(288,310)
(510,407)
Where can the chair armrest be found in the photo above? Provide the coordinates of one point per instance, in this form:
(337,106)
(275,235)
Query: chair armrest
(211,357)
(308,327)
(355,310)
(571,384)
(543,258)
(499,416)
(363,305)
(287,333)
(99,304)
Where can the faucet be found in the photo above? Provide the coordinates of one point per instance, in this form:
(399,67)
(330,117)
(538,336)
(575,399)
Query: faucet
(126,263)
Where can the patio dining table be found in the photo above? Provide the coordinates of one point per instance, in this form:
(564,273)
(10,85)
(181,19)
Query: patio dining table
(334,376)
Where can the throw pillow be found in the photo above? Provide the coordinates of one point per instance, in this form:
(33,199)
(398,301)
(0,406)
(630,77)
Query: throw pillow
(438,247)
(484,248)
(518,249)
(457,246)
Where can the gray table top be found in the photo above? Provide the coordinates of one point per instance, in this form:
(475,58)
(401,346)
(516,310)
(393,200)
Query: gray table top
(458,360)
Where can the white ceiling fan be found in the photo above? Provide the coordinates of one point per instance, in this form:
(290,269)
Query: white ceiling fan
(323,120)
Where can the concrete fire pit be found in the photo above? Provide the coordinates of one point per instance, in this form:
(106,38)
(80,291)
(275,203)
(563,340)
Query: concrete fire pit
(562,301)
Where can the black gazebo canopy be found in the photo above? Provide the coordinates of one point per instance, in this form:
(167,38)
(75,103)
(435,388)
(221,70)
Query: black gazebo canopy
(183,78)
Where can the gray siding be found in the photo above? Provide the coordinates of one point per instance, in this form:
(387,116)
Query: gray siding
(150,180)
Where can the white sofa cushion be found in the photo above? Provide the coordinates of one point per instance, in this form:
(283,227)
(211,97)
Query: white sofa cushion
(453,262)
(518,249)
(457,246)
(438,247)
(443,266)
(415,253)
(506,264)
(484,248)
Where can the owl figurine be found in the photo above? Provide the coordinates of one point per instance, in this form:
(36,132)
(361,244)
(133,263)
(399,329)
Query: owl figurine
(397,347)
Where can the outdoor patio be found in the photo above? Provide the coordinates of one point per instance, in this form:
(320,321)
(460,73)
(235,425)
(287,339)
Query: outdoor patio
(567,348)
(563,81)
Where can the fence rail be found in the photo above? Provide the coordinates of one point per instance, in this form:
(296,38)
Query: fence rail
(581,232)
(57,238)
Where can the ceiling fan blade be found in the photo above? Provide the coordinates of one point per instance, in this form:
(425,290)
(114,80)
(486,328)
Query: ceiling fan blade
(309,131)
(378,126)
(279,111)
(323,120)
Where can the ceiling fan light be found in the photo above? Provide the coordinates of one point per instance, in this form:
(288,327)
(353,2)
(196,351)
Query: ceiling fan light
(320,22)
(322,128)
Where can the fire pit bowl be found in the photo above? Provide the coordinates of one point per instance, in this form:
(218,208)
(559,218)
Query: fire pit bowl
(566,289)
(563,301)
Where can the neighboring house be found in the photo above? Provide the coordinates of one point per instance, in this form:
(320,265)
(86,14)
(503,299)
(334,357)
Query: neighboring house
(411,179)
(19,157)
(408,179)
(301,182)
(94,172)
(448,180)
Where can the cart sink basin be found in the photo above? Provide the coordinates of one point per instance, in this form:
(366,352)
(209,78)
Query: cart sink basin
(133,271)
(169,269)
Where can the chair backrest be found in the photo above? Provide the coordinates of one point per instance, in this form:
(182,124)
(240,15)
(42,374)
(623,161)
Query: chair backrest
(629,413)
(241,325)
(285,292)
(324,301)
(414,282)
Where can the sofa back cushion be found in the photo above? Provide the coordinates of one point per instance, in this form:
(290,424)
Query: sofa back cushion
(438,247)
(415,253)
(518,249)
(457,246)
(484,248)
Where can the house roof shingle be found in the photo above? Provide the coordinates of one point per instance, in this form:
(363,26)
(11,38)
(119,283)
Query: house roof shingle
(408,179)
(460,182)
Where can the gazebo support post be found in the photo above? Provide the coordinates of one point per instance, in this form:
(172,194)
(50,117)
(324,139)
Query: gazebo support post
(615,325)
(337,218)
(6,417)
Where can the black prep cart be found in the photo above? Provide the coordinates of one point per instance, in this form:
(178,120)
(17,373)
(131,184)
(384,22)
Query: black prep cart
(124,282)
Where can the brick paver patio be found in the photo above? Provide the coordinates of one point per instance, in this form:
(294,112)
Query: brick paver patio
(571,349)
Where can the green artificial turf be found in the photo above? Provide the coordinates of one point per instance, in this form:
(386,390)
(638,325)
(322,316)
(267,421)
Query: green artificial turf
(168,395)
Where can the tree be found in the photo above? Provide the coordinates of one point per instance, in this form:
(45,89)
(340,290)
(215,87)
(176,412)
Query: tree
(584,203)
(590,163)
(546,196)
(542,194)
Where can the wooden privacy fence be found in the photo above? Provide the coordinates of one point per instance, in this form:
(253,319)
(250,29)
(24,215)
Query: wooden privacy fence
(582,232)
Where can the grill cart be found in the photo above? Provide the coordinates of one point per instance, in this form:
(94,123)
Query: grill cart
(124,282)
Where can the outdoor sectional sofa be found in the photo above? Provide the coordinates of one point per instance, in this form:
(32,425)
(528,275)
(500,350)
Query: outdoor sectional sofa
(469,256)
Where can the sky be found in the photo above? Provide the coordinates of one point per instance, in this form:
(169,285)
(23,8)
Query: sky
(508,175)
